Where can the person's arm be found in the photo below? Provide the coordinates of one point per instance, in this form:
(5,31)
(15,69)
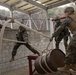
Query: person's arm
(57,32)
(17,36)
(25,37)
(65,23)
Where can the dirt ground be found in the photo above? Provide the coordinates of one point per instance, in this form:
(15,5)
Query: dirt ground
(19,71)
(25,71)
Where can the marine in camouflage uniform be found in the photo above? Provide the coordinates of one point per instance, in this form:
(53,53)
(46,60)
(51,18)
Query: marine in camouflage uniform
(70,22)
(22,36)
(63,35)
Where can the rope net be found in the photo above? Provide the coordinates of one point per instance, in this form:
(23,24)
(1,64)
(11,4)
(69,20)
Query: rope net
(39,42)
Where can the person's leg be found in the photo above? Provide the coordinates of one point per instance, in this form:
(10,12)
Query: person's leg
(70,60)
(31,48)
(58,40)
(56,43)
(14,51)
(65,42)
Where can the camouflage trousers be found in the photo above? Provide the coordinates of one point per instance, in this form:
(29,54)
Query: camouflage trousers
(71,51)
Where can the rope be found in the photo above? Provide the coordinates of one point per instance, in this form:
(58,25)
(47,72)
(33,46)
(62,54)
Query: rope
(47,65)
(19,42)
(12,40)
(2,32)
(32,29)
(13,61)
(46,48)
(5,24)
(48,45)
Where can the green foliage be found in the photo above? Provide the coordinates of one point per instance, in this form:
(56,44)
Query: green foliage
(59,11)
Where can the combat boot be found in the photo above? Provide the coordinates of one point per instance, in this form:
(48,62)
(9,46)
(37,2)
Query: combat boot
(65,69)
(12,59)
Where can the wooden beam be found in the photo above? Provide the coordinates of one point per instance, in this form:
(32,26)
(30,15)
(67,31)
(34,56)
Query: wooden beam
(36,4)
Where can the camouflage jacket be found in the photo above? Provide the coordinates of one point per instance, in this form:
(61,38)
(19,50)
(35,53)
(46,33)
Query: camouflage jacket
(64,24)
(22,36)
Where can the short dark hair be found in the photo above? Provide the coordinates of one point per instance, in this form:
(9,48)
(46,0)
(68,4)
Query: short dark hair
(22,27)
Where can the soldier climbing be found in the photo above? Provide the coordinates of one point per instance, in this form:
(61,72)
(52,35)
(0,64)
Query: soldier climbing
(70,22)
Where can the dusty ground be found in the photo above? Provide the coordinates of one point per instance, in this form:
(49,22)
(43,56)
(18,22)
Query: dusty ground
(19,71)
(25,71)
